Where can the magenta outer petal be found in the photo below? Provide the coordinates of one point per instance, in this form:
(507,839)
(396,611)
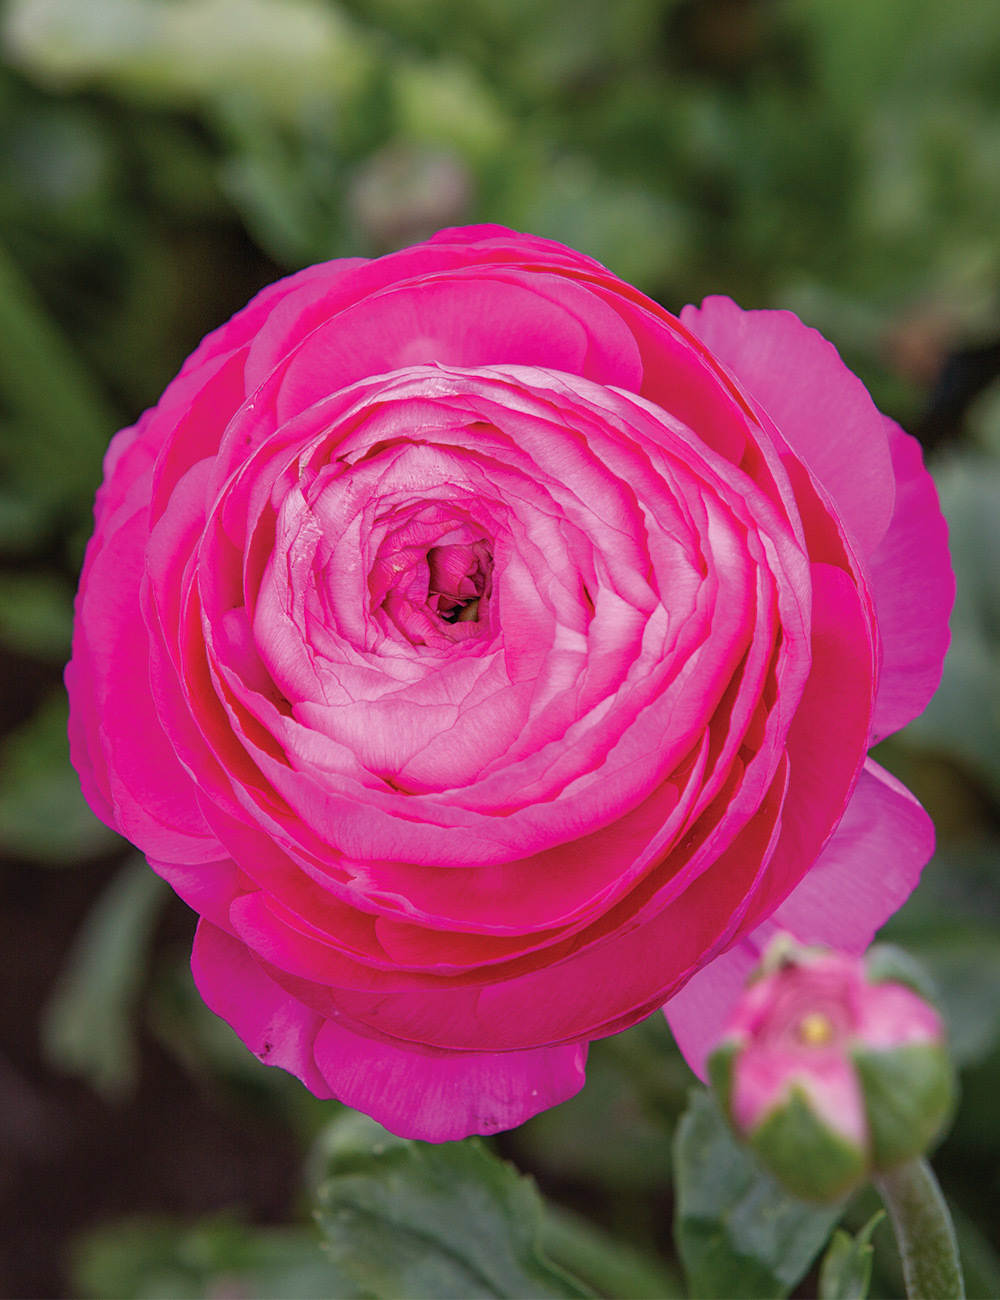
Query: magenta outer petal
(868,869)
(698,1014)
(448,1096)
(438,1097)
(914,591)
(276,1027)
(821,408)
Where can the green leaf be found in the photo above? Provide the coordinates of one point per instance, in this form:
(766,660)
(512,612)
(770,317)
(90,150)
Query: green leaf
(43,815)
(166,1259)
(613,1268)
(411,1219)
(87,1027)
(180,54)
(737,1231)
(847,1265)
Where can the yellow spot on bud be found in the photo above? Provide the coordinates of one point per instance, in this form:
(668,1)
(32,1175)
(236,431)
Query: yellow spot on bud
(816,1029)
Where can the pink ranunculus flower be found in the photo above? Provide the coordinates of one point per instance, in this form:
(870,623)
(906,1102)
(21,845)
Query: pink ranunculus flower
(489,656)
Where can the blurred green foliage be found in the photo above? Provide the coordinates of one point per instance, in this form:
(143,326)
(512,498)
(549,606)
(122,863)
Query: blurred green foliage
(166,1259)
(160,160)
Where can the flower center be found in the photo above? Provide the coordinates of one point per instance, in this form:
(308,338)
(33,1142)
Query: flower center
(816,1030)
(432,580)
(460,579)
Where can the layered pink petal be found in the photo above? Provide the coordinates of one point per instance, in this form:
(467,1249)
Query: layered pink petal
(140,786)
(439,1097)
(914,591)
(277,1029)
(868,869)
(821,408)
(445,1097)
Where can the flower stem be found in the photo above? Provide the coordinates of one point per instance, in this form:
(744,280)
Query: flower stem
(924,1232)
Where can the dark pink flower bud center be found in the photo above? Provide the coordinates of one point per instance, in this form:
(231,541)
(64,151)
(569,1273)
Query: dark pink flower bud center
(461,577)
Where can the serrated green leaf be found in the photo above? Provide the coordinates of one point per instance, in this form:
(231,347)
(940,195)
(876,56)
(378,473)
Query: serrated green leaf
(737,1232)
(847,1266)
(406,1220)
(87,1028)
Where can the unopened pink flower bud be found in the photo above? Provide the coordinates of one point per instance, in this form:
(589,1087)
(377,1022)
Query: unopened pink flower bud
(830,1071)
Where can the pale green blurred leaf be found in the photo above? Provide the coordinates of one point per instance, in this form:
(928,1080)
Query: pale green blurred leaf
(166,1259)
(179,51)
(89,1025)
(448,104)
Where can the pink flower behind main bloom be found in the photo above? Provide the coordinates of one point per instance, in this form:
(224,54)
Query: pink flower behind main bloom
(489,656)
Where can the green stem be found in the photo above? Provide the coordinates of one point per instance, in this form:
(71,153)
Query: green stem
(924,1232)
